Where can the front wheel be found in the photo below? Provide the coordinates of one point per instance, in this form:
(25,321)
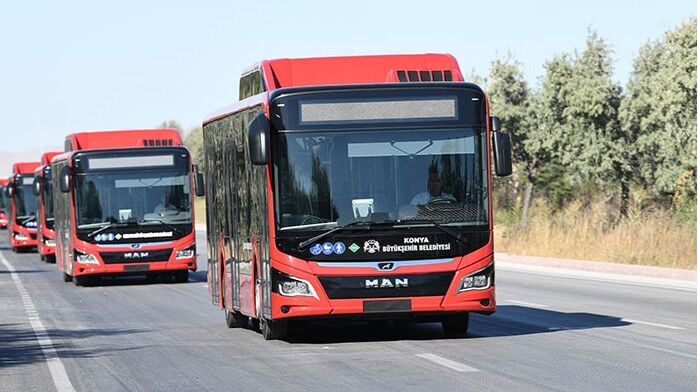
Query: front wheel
(455,325)
(273,329)
(234,319)
(181,276)
(67,278)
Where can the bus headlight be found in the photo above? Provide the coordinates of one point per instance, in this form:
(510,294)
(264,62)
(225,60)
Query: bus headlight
(479,280)
(186,253)
(291,286)
(21,237)
(85,258)
(49,242)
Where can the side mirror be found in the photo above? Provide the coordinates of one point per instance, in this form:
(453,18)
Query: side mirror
(64,179)
(199,189)
(9,190)
(502,154)
(37,186)
(258,139)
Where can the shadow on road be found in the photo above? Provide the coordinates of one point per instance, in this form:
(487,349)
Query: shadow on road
(509,320)
(134,280)
(32,271)
(19,345)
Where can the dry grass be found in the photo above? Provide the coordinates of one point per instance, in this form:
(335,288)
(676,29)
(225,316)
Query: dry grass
(200,210)
(649,238)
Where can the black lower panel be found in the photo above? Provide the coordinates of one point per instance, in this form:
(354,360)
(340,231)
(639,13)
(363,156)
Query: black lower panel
(387,306)
(386,286)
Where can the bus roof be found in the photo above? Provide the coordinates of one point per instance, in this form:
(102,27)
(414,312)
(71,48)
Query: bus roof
(3,181)
(47,156)
(98,140)
(319,71)
(24,167)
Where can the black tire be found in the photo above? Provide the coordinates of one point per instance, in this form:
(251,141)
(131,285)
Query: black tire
(181,276)
(51,259)
(42,257)
(67,278)
(456,325)
(82,280)
(234,319)
(273,329)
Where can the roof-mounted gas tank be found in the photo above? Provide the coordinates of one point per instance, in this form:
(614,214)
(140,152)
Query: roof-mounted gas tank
(122,139)
(320,71)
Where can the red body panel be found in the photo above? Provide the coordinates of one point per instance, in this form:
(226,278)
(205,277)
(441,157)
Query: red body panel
(116,140)
(43,232)
(28,235)
(282,73)
(3,215)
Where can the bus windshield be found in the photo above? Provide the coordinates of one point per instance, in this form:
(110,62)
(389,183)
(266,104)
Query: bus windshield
(24,199)
(328,178)
(133,188)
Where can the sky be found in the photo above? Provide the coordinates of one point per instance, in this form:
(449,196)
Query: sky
(68,66)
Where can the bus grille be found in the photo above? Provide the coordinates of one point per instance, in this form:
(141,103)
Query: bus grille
(136,256)
(386,286)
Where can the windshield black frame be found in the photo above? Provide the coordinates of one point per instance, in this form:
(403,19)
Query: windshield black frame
(470,117)
(172,215)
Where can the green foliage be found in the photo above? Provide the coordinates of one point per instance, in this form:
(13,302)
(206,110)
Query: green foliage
(659,115)
(195,142)
(172,124)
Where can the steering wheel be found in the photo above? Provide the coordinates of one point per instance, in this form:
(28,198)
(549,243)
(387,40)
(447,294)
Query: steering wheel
(310,218)
(441,200)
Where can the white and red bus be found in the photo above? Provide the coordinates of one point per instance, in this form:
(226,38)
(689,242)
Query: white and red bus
(46,236)
(4,219)
(22,217)
(123,204)
(353,187)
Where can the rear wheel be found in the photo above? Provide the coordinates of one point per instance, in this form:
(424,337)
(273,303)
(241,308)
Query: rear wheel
(235,319)
(455,325)
(273,329)
(181,276)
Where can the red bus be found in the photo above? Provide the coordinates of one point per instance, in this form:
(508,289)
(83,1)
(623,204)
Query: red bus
(353,187)
(123,205)
(22,217)
(46,236)
(3,204)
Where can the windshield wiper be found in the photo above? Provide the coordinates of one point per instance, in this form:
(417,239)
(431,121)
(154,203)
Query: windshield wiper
(452,233)
(365,224)
(112,225)
(168,225)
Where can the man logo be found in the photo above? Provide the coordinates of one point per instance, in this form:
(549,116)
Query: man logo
(384,283)
(371,246)
(386,266)
(136,255)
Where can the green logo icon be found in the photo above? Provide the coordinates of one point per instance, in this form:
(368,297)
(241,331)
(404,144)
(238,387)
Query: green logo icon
(353,247)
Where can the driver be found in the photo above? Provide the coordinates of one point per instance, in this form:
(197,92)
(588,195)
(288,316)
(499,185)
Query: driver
(434,190)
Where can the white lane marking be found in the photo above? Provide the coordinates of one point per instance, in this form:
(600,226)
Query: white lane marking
(457,366)
(524,303)
(651,323)
(55,366)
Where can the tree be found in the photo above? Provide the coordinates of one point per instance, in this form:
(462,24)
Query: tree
(510,100)
(172,124)
(659,115)
(194,140)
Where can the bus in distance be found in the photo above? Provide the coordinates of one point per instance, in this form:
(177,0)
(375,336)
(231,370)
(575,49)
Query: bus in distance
(123,205)
(3,204)
(46,236)
(22,206)
(352,187)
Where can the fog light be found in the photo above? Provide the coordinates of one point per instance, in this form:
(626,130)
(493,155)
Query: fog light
(21,237)
(85,258)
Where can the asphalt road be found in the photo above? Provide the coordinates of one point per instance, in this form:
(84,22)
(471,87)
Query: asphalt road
(549,333)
